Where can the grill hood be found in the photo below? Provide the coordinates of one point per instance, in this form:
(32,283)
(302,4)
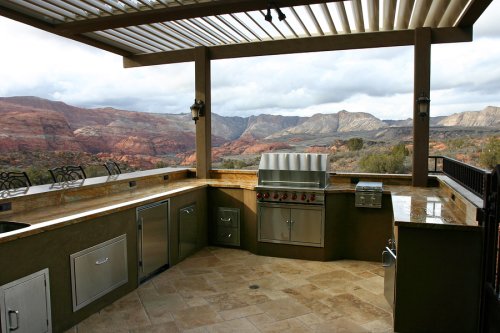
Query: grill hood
(293,170)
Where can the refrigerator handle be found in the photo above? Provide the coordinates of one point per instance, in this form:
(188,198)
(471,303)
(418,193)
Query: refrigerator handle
(141,231)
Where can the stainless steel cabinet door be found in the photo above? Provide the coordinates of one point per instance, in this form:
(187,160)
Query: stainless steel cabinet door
(26,304)
(306,226)
(153,237)
(274,223)
(98,270)
(188,230)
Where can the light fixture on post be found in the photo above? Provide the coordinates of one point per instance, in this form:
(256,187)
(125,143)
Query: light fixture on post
(423,103)
(197,109)
(281,15)
(268,16)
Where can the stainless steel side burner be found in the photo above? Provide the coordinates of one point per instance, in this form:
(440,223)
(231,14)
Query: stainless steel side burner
(369,195)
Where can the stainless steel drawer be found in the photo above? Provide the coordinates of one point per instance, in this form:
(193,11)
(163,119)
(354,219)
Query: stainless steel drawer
(98,270)
(228,217)
(229,236)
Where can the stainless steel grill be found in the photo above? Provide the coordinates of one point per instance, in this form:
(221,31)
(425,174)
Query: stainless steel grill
(292,178)
(291,198)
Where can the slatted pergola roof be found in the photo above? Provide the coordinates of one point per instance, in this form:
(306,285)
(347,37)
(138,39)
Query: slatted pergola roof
(148,32)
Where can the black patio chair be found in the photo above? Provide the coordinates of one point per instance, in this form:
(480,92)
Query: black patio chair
(68,173)
(12,180)
(112,168)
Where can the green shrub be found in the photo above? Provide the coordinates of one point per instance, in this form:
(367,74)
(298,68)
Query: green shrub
(355,144)
(160,164)
(391,162)
(95,171)
(400,149)
(490,156)
(458,143)
(233,164)
(38,176)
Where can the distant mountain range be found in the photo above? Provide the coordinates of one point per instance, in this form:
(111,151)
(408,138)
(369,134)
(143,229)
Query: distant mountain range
(36,124)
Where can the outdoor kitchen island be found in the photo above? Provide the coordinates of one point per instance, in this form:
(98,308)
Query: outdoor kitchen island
(439,257)
(69,220)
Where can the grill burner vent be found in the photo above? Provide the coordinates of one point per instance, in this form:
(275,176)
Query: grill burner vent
(292,178)
(293,170)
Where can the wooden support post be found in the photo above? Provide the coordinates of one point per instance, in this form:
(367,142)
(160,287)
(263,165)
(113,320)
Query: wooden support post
(422,79)
(203,125)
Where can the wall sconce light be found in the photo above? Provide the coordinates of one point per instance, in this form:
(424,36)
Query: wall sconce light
(197,109)
(423,103)
(268,17)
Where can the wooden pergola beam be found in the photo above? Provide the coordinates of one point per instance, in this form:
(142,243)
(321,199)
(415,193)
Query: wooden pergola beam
(174,13)
(312,44)
(204,124)
(475,10)
(421,85)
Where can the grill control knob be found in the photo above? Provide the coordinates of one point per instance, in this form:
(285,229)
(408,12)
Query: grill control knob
(303,197)
(284,196)
(294,196)
(276,195)
(259,195)
(312,197)
(266,195)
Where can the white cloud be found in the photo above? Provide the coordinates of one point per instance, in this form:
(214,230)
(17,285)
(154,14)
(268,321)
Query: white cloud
(465,76)
(51,67)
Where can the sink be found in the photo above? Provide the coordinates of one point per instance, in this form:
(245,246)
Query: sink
(6,226)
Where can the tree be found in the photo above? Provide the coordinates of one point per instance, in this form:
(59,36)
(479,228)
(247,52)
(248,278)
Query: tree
(490,155)
(355,144)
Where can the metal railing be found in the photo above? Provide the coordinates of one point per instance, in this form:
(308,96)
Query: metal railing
(470,177)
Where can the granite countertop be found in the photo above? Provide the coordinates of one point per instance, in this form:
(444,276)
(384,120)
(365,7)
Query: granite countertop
(423,207)
(415,207)
(430,208)
(53,217)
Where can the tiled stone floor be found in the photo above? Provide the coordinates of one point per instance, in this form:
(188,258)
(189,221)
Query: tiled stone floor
(210,292)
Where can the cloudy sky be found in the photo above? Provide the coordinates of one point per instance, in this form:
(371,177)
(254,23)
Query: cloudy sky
(465,77)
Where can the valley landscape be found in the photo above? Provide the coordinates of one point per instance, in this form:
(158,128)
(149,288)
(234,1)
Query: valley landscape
(38,134)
